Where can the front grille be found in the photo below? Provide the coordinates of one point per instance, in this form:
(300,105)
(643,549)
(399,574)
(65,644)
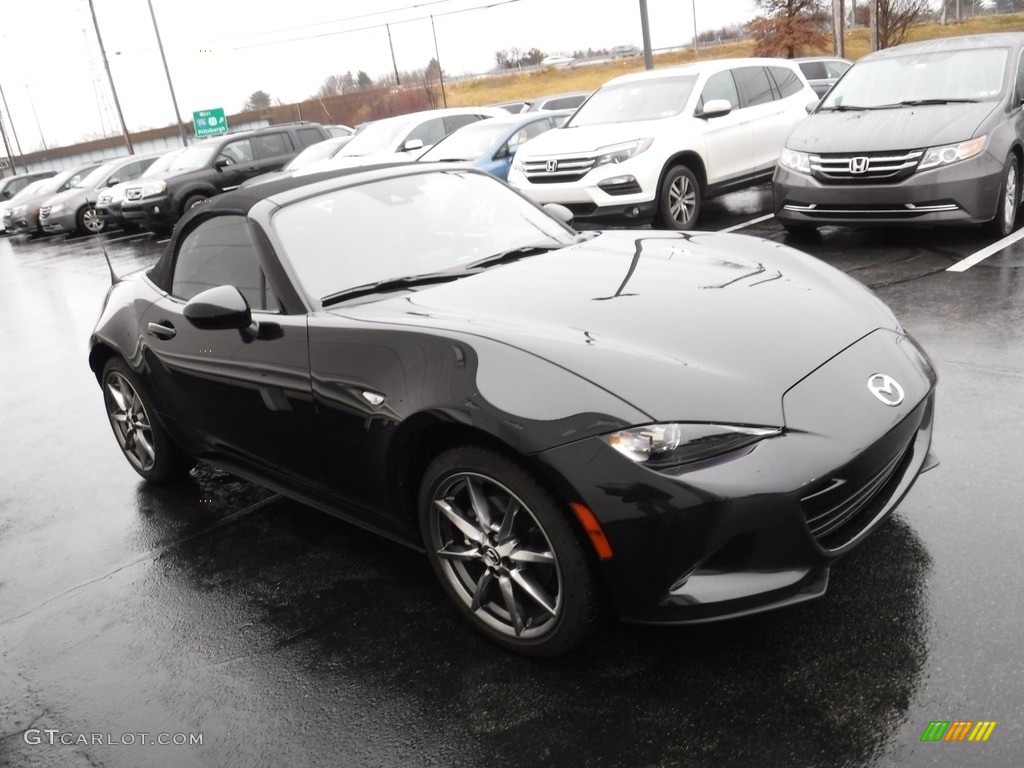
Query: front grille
(44,212)
(104,200)
(133,194)
(843,506)
(581,209)
(865,168)
(557,170)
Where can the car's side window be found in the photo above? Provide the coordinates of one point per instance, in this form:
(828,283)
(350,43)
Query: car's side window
(220,251)
(528,132)
(272,144)
(309,136)
(720,85)
(836,68)
(454,122)
(237,152)
(754,84)
(786,81)
(1020,78)
(813,70)
(430,132)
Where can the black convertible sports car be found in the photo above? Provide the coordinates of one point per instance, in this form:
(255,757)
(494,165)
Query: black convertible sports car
(683,426)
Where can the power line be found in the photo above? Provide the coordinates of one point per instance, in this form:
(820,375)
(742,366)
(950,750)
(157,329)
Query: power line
(377,26)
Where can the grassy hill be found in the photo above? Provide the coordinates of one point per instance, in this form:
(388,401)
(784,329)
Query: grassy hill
(526,85)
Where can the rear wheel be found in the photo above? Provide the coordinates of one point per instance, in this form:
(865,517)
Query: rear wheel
(505,552)
(679,199)
(142,439)
(1009,198)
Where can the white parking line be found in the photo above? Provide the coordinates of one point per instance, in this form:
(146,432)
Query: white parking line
(976,258)
(122,237)
(165,240)
(758,220)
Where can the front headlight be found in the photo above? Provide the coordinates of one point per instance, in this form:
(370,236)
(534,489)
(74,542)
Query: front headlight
(795,161)
(660,446)
(154,188)
(951,153)
(616,153)
(58,208)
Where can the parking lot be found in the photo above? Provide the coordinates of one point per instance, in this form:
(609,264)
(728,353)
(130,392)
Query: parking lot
(280,636)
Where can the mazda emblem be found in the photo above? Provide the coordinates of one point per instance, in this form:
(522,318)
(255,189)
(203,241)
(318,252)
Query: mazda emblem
(552,166)
(886,388)
(859,164)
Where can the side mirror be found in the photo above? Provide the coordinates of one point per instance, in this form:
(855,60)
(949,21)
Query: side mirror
(560,212)
(221,163)
(412,144)
(715,108)
(811,106)
(218,309)
(112,181)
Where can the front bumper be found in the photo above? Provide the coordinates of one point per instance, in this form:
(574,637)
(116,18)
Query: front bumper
(762,529)
(54,223)
(588,201)
(962,193)
(154,210)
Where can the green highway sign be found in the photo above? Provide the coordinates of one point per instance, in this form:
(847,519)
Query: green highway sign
(209,122)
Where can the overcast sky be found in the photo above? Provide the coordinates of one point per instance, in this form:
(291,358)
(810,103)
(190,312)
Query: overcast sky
(221,51)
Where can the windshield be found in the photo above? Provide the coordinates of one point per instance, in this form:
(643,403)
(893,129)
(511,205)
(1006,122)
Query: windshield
(407,225)
(376,137)
(635,100)
(196,156)
(467,143)
(967,75)
(161,164)
(319,151)
(32,189)
(97,176)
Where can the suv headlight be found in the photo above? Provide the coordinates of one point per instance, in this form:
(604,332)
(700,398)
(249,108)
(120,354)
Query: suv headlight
(58,208)
(661,446)
(951,153)
(616,153)
(154,188)
(795,161)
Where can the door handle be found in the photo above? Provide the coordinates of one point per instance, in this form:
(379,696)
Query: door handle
(163,330)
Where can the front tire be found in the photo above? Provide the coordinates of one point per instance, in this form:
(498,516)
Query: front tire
(1009,198)
(505,552)
(89,221)
(679,199)
(143,441)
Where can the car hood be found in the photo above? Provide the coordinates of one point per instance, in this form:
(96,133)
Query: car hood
(702,326)
(587,138)
(68,195)
(880,130)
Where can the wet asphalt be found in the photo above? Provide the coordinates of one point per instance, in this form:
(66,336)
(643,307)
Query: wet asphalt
(280,636)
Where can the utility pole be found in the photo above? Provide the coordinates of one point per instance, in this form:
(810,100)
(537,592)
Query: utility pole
(645,29)
(177,113)
(838,25)
(437,58)
(7,146)
(110,78)
(391,45)
(873,21)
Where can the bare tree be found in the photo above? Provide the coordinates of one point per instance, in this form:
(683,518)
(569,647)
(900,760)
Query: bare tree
(789,28)
(896,17)
(333,85)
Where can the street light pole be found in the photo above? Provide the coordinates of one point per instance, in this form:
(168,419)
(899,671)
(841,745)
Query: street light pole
(160,44)
(110,78)
(645,29)
(437,58)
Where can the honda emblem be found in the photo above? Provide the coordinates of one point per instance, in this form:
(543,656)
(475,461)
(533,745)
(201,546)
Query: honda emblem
(859,164)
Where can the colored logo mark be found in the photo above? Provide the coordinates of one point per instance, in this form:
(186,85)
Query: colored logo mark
(958,730)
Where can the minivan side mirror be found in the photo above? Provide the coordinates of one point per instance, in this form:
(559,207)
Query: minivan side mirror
(412,144)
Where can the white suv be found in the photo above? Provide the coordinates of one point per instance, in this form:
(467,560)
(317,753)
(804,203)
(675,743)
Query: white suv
(655,144)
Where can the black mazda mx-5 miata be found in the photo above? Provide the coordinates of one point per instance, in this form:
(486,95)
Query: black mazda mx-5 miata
(683,426)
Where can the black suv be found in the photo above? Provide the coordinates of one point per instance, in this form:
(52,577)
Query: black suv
(213,166)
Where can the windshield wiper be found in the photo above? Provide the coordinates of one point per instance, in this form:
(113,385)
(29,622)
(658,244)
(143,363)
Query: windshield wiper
(845,108)
(393,284)
(926,102)
(514,254)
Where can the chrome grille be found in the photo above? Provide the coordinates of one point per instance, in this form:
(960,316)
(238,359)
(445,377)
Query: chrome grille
(44,212)
(866,167)
(133,194)
(552,170)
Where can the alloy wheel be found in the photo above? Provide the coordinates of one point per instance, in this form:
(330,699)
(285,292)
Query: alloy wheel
(130,421)
(91,221)
(495,554)
(1010,201)
(682,199)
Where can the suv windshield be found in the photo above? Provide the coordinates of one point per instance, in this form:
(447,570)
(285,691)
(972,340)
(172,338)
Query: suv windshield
(196,156)
(965,75)
(376,137)
(96,176)
(161,164)
(651,99)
